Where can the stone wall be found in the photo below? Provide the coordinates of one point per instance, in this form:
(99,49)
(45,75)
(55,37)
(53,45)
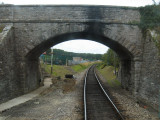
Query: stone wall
(70,13)
(13,70)
(150,74)
(37,28)
(9,84)
(34,29)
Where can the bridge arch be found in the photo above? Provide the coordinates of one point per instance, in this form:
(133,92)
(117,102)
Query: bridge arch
(32,29)
(126,54)
(122,51)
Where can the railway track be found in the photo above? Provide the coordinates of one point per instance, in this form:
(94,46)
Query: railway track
(97,104)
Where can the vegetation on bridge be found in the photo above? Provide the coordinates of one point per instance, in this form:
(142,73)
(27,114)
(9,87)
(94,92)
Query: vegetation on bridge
(150,21)
(150,17)
(1,28)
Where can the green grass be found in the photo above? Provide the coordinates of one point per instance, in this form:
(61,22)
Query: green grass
(117,83)
(61,70)
(58,70)
(81,67)
(108,73)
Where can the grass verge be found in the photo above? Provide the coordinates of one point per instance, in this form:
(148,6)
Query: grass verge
(58,70)
(61,70)
(108,73)
(81,67)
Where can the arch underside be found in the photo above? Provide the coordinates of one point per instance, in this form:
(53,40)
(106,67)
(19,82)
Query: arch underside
(125,55)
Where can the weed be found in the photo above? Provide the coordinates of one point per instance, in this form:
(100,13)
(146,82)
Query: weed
(1,28)
(108,73)
(81,67)
(58,70)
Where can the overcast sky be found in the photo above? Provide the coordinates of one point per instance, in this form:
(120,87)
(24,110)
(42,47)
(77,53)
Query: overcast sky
(81,46)
(91,2)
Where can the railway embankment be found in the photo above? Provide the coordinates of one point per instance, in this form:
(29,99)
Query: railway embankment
(132,109)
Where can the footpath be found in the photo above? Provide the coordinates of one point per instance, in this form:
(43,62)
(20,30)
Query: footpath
(22,99)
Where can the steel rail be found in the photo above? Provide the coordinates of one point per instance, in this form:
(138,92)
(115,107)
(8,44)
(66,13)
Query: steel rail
(85,104)
(114,106)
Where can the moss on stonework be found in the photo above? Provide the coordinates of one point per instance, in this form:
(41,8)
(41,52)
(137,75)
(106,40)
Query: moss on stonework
(150,20)
(155,37)
(133,22)
(150,17)
(1,28)
(156,40)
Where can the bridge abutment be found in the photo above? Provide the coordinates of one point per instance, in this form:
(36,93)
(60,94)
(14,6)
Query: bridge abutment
(34,29)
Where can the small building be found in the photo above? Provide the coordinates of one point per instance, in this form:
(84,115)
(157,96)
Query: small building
(77,59)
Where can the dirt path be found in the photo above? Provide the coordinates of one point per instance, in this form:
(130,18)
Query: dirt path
(62,101)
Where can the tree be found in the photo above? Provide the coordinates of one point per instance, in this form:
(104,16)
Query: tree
(60,56)
(111,58)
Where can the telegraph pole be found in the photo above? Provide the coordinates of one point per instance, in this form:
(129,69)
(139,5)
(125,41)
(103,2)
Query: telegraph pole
(44,60)
(115,72)
(51,61)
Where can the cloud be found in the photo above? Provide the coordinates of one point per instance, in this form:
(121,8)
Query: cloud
(82,46)
(90,2)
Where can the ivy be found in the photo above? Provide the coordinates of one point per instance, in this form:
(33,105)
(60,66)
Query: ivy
(150,17)
(150,20)
(156,40)
(1,28)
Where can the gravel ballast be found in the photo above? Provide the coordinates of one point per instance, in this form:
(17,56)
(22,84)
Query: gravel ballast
(132,110)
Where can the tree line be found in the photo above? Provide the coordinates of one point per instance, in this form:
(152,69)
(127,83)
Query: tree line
(60,56)
(110,58)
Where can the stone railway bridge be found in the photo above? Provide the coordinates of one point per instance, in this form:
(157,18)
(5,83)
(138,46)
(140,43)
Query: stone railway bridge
(31,30)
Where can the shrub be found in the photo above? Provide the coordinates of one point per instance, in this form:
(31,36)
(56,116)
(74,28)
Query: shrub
(1,28)
(150,17)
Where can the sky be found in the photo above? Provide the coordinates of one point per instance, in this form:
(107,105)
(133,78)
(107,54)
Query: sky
(91,2)
(81,46)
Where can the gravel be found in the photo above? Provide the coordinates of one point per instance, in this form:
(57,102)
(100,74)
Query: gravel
(131,109)
(62,101)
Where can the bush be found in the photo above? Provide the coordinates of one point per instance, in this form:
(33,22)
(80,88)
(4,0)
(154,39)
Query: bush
(150,17)
(1,28)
